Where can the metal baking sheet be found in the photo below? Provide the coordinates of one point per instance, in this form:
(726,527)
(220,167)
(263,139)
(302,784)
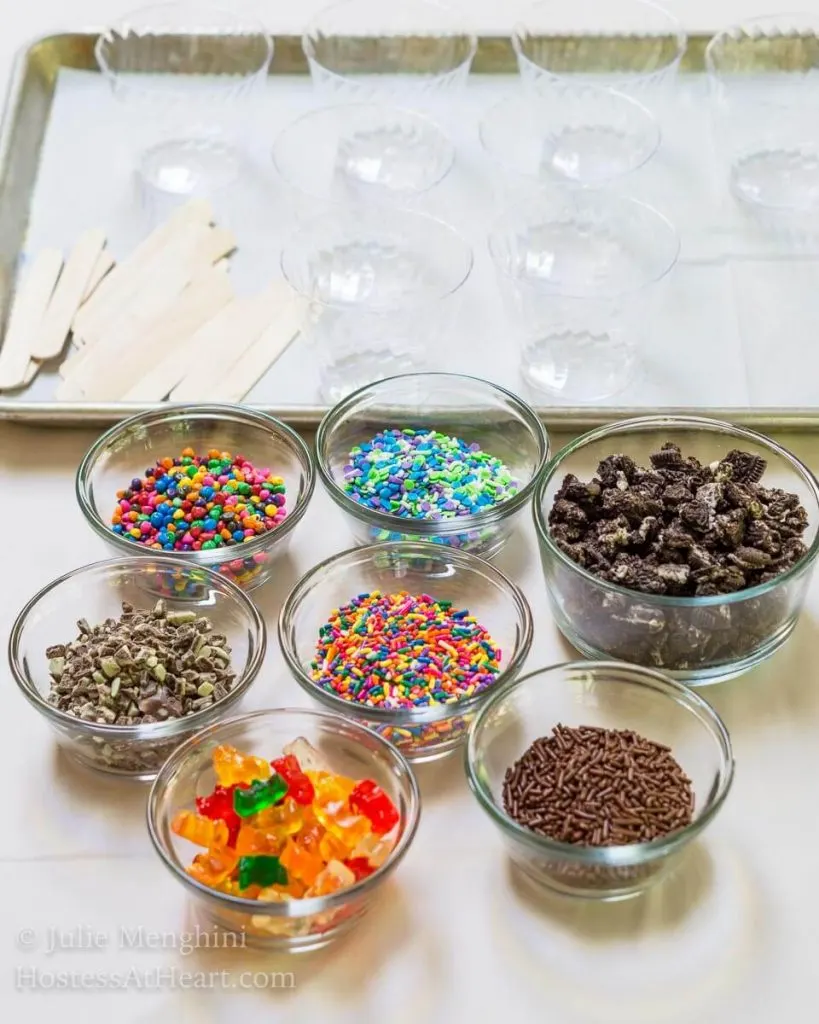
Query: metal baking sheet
(738,296)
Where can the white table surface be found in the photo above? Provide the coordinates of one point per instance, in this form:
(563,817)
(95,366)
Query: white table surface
(732,937)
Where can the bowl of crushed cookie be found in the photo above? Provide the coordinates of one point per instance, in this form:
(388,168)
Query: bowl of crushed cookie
(678,543)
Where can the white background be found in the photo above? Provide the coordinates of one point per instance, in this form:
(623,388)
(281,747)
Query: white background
(731,938)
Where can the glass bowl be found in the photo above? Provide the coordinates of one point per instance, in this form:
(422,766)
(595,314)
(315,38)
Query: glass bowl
(181,71)
(362,152)
(421,51)
(381,286)
(696,639)
(128,449)
(637,45)
(605,695)
(424,733)
(297,925)
(581,135)
(465,407)
(764,79)
(96,592)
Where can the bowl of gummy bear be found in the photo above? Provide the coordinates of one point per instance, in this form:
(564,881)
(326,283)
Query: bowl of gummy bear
(283,824)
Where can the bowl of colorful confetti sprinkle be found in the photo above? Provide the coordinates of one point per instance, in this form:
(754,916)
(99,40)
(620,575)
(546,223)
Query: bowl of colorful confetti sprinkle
(124,676)
(216,486)
(406,638)
(598,775)
(284,824)
(435,457)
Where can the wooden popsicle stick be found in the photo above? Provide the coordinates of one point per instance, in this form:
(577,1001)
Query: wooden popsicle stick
(221,353)
(105,263)
(50,338)
(110,293)
(261,355)
(163,377)
(208,293)
(160,279)
(27,315)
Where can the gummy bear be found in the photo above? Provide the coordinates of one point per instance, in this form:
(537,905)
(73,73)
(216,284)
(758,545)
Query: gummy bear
(200,830)
(299,785)
(375,848)
(369,799)
(231,766)
(307,756)
(301,863)
(349,828)
(219,804)
(214,867)
(284,819)
(335,876)
(259,795)
(332,848)
(360,867)
(329,787)
(261,870)
(251,841)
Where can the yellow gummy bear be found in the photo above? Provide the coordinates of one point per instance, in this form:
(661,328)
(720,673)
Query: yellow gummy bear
(231,766)
(334,877)
(375,848)
(284,819)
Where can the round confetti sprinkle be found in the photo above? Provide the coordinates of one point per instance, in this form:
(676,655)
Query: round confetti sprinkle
(401,651)
(199,503)
(424,474)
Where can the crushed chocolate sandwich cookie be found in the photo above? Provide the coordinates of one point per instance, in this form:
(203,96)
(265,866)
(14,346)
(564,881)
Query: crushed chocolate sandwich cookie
(147,666)
(679,528)
(598,787)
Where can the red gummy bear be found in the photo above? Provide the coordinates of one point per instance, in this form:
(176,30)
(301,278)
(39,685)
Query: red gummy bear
(360,867)
(369,799)
(298,784)
(219,804)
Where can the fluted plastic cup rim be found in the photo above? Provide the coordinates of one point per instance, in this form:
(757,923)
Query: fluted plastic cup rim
(608,856)
(671,423)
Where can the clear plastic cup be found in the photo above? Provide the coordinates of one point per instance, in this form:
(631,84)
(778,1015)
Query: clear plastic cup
(179,69)
(635,46)
(381,288)
(579,272)
(764,77)
(361,152)
(573,134)
(411,50)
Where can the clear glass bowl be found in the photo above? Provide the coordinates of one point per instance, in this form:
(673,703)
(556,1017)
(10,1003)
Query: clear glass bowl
(96,592)
(637,45)
(421,50)
(764,76)
(179,69)
(579,273)
(476,411)
(606,695)
(131,447)
(362,152)
(381,287)
(696,639)
(581,134)
(297,925)
(421,734)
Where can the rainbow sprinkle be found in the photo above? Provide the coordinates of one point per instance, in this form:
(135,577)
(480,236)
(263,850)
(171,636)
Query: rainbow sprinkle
(402,651)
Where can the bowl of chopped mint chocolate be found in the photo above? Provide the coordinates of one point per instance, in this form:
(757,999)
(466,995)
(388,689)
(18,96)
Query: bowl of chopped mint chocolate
(679,543)
(124,676)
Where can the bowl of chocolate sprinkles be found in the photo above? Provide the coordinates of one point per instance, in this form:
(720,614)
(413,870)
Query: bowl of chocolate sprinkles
(124,676)
(679,543)
(598,774)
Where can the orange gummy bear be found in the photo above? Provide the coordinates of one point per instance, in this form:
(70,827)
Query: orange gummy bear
(252,841)
(214,867)
(207,832)
(334,877)
(232,767)
(284,819)
(302,864)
